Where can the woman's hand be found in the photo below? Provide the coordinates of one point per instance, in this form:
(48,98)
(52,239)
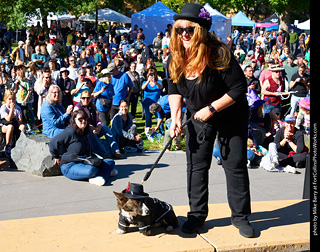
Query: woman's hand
(12,106)
(175,129)
(203,114)
(69,109)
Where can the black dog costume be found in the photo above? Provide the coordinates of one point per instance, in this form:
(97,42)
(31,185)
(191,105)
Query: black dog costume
(160,213)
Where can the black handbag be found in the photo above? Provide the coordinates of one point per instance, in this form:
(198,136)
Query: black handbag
(105,102)
(91,160)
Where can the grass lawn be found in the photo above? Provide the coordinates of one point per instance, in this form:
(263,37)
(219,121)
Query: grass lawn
(156,144)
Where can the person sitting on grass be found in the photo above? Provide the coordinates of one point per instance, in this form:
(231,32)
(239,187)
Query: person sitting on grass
(125,131)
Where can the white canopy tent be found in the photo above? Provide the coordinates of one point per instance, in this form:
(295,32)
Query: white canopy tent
(33,20)
(304,25)
(106,15)
(221,25)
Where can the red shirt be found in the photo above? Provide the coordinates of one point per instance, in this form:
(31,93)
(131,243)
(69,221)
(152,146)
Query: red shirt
(274,87)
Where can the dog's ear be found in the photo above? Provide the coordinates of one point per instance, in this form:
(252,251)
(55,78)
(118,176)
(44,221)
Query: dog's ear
(120,196)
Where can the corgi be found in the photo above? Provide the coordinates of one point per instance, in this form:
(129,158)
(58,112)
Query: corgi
(144,212)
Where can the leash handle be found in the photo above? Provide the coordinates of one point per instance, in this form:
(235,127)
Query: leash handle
(146,177)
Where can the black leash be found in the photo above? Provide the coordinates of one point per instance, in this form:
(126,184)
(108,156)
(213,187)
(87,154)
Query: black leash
(200,139)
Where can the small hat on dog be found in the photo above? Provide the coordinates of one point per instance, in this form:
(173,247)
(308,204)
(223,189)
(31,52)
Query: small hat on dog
(135,191)
(195,13)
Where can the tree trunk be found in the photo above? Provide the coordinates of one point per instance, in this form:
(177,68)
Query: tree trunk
(285,19)
(44,19)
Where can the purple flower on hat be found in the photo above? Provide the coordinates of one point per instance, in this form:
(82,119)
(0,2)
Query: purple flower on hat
(205,15)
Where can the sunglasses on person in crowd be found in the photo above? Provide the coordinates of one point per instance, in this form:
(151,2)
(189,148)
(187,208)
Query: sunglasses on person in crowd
(81,119)
(85,98)
(189,30)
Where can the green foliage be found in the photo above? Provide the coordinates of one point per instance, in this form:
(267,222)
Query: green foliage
(175,5)
(16,13)
(295,5)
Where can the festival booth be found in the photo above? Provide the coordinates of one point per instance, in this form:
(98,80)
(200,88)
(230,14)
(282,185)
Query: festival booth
(276,27)
(33,20)
(241,20)
(270,21)
(221,25)
(153,20)
(106,15)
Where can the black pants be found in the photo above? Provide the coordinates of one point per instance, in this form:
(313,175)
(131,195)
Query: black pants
(113,111)
(133,102)
(104,118)
(233,148)
(284,160)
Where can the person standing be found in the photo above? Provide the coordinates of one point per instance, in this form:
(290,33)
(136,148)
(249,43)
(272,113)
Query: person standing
(203,70)
(293,37)
(271,88)
(38,57)
(122,86)
(300,82)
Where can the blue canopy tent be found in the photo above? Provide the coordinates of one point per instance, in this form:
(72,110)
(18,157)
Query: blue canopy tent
(276,27)
(153,20)
(221,25)
(241,20)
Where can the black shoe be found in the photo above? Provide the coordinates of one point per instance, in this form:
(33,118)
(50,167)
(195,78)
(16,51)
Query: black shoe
(192,225)
(300,164)
(245,229)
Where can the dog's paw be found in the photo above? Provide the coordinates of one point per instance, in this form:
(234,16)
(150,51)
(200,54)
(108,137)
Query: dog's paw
(169,229)
(147,233)
(119,231)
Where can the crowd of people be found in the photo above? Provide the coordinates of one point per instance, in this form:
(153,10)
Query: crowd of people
(77,90)
(277,70)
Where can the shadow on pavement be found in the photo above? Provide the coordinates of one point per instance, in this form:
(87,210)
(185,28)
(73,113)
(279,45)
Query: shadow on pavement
(293,214)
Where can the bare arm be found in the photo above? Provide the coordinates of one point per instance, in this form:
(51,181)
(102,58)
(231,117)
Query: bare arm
(176,104)
(265,88)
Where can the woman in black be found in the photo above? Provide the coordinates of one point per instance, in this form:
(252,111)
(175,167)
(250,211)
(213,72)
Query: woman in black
(203,70)
(65,84)
(300,83)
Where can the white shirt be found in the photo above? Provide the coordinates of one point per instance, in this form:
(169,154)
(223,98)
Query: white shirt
(73,72)
(165,41)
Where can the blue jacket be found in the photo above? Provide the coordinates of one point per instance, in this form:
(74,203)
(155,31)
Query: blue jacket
(54,119)
(120,128)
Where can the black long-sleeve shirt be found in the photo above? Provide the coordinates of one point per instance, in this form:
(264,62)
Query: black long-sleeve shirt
(213,85)
(298,139)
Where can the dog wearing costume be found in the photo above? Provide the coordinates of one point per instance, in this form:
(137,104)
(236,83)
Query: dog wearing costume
(137,208)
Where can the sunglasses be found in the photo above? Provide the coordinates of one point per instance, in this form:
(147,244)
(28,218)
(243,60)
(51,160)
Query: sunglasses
(188,30)
(85,98)
(81,119)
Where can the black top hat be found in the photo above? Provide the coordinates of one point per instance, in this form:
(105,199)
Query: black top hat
(135,191)
(195,13)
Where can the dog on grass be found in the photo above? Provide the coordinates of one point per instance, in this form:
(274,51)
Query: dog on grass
(137,208)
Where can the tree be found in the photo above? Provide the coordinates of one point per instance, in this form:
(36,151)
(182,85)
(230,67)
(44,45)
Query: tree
(16,13)
(285,7)
(175,5)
